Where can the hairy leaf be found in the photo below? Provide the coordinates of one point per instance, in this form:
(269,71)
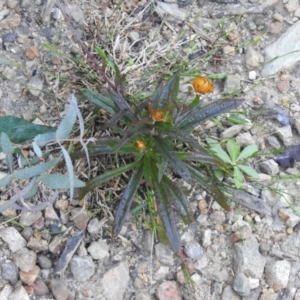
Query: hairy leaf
(35,170)
(70,171)
(94,182)
(126,200)
(58,181)
(211,187)
(5,181)
(170,156)
(43,139)
(6,144)
(65,127)
(200,114)
(19,130)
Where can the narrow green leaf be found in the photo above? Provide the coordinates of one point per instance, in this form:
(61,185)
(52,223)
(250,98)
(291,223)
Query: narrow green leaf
(6,144)
(237,177)
(70,171)
(205,158)
(248,170)
(175,163)
(101,101)
(218,151)
(65,127)
(58,181)
(248,152)
(211,187)
(162,169)
(233,148)
(35,170)
(195,102)
(166,214)
(126,200)
(8,62)
(147,167)
(94,182)
(200,114)
(178,198)
(5,181)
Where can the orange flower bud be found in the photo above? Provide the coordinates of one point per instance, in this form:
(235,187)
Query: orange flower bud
(140,145)
(203,85)
(156,114)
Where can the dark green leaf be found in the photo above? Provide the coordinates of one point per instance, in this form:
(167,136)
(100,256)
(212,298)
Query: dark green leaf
(211,187)
(170,156)
(166,213)
(199,114)
(162,169)
(147,167)
(58,181)
(96,181)
(178,198)
(101,101)
(204,157)
(20,130)
(126,200)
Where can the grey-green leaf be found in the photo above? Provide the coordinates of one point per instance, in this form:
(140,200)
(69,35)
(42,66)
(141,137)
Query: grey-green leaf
(35,170)
(65,127)
(6,144)
(5,181)
(58,181)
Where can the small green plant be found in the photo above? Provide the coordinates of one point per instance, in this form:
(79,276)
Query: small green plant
(234,159)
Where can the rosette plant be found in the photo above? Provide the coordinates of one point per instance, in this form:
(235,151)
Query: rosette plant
(157,135)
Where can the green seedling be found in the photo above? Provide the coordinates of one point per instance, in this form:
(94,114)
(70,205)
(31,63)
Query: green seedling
(234,158)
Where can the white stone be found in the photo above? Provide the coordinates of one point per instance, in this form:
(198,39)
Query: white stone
(277,274)
(13,238)
(252,75)
(98,250)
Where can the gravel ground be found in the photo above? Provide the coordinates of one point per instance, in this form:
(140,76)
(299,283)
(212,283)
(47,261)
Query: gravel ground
(245,254)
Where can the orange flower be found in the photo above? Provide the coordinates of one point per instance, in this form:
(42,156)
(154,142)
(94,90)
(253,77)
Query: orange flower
(140,145)
(156,114)
(202,85)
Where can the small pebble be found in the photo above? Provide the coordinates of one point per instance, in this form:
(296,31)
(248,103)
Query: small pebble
(32,52)
(252,75)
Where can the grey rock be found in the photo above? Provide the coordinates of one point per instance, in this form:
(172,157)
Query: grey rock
(277,274)
(94,226)
(292,5)
(241,284)
(252,58)
(161,273)
(46,11)
(247,258)
(27,233)
(289,216)
(254,294)
(10,272)
(9,37)
(26,3)
(285,135)
(201,263)
(287,43)
(233,82)
(164,254)
(35,85)
(60,290)
(44,262)
(168,288)
(229,293)
(10,22)
(273,142)
(98,249)
(82,268)
(5,292)
(231,131)
(115,277)
(297,125)
(37,245)
(142,295)
(19,294)
(25,259)
(206,238)
(270,167)
(245,139)
(13,238)
(193,249)
(29,217)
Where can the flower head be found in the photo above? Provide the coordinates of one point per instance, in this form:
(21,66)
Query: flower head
(202,85)
(157,115)
(140,145)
